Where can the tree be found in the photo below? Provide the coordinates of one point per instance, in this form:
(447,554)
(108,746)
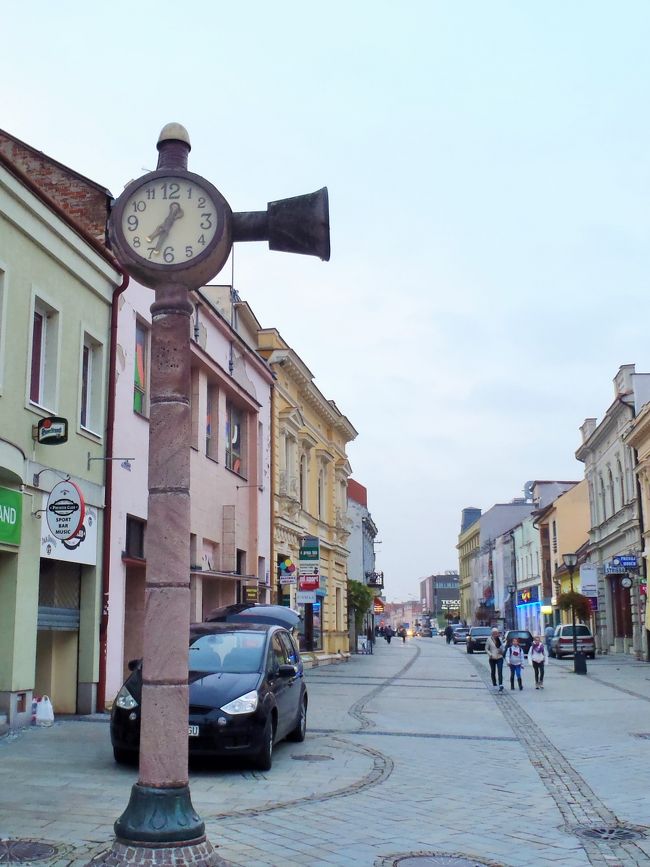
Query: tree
(360,599)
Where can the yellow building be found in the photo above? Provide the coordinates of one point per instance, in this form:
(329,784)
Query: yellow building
(310,471)
(564,529)
(468,549)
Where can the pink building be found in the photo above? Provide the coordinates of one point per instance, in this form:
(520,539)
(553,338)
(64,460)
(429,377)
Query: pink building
(230,467)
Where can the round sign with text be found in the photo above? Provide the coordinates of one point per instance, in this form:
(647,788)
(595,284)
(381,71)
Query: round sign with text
(65,510)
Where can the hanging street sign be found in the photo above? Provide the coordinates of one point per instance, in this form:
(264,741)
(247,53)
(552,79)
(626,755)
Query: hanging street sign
(52,431)
(309,564)
(64,510)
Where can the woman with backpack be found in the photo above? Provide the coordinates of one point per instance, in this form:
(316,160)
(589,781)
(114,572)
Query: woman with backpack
(515,658)
(537,656)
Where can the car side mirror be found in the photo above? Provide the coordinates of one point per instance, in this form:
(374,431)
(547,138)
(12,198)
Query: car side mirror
(135,663)
(287,670)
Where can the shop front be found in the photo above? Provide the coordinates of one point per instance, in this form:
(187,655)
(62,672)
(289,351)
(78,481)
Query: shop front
(529,613)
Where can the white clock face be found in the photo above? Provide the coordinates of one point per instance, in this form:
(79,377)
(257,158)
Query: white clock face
(169,221)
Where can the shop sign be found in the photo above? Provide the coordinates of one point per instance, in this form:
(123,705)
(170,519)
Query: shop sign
(64,510)
(593,601)
(11,507)
(528,595)
(615,569)
(589,579)
(378,606)
(251,593)
(81,548)
(627,561)
(305,597)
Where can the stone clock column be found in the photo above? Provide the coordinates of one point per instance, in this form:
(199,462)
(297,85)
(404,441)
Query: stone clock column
(172,230)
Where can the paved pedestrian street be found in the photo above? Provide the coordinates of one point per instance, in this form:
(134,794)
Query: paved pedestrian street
(410,756)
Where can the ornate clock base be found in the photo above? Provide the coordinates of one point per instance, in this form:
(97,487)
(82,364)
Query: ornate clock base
(191,853)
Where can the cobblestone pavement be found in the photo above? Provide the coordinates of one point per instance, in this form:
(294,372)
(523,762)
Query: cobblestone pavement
(409,753)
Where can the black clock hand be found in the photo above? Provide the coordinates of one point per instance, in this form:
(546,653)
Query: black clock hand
(161,231)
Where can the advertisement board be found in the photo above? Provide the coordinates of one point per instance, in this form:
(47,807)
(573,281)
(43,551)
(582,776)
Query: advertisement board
(11,506)
(81,548)
(589,579)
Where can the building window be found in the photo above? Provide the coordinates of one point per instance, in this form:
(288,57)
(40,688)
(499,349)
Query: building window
(44,360)
(554,536)
(91,385)
(135,537)
(235,436)
(140,375)
(211,431)
(621,482)
(303,481)
(610,482)
(603,502)
(321,493)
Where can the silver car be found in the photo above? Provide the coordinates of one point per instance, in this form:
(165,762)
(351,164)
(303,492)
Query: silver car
(562,641)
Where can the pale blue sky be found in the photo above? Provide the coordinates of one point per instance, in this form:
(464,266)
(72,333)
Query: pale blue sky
(489,180)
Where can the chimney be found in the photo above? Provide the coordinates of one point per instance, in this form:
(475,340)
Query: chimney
(588,427)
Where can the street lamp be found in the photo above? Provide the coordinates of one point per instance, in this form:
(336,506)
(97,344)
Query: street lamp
(511,591)
(579,661)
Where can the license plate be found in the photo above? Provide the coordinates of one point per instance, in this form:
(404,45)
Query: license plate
(193,731)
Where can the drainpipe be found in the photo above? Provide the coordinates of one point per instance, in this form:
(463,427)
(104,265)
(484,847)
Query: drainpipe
(108,488)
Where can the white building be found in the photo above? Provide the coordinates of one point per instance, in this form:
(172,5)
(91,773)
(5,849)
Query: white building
(614,511)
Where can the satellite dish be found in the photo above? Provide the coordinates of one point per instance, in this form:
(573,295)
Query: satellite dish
(528,490)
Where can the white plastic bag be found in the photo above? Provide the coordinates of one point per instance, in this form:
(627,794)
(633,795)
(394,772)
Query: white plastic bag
(44,712)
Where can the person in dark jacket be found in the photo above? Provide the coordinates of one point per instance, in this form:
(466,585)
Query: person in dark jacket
(449,632)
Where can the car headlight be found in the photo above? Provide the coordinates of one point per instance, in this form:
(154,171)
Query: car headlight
(125,700)
(244,704)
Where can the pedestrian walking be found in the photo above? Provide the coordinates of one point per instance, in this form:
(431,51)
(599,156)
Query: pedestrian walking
(548,634)
(494,647)
(515,659)
(370,638)
(402,634)
(449,631)
(388,633)
(537,656)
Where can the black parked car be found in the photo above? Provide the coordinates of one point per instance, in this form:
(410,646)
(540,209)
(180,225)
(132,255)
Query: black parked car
(524,636)
(476,637)
(246,692)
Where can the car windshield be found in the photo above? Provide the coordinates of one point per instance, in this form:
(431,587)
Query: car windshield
(481,630)
(229,652)
(580,630)
(514,634)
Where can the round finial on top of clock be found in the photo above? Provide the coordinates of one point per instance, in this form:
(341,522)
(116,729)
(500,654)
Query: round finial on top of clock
(174,132)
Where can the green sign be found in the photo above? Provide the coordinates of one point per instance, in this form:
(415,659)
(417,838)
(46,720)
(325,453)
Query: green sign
(11,510)
(309,548)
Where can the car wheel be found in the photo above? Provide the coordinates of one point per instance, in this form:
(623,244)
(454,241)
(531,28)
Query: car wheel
(125,757)
(264,758)
(299,732)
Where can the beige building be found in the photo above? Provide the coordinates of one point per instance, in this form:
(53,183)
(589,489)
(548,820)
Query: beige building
(310,471)
(564,529)
(468,551)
